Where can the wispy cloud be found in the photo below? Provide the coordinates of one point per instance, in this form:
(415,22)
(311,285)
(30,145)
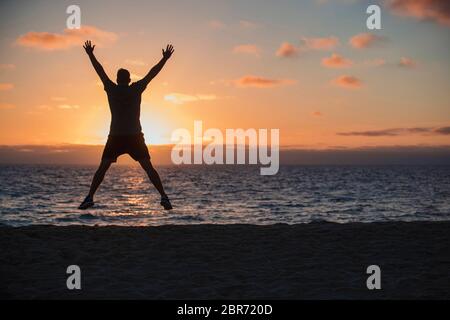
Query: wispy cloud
(69,38)
(181,98)
(316,114)
(68,106)
(6,106)
(5,86)
(7,66)
(442,130)
(261,82)
(216,24)
(366,40)
(399,132)
(325,43)
(250,49)
(348,82)
(406,62)
(336,61)
(433,10)
(287,50)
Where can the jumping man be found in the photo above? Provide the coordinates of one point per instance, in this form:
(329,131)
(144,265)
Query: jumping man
(125,134)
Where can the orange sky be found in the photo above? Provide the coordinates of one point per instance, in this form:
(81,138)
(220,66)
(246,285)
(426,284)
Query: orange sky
(311,70)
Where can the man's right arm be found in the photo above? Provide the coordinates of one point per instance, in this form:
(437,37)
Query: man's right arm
(97,66)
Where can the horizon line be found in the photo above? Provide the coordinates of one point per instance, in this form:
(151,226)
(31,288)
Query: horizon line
(282,147)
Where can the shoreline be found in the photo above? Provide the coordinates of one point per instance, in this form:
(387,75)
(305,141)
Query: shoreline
(303,261)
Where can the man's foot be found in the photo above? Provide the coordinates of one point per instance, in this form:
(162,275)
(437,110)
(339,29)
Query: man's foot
(87,203)
(165,202)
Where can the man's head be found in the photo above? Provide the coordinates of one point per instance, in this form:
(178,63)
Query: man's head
(123,77)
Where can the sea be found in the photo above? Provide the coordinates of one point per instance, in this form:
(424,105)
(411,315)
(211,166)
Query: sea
(50,194)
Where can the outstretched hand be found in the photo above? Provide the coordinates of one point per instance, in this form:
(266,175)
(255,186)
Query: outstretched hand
(168,52)
(89,47)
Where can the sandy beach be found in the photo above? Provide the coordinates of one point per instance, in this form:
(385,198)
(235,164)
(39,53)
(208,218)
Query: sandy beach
(309,261)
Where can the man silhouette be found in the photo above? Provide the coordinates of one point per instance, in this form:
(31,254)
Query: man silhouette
(125,134)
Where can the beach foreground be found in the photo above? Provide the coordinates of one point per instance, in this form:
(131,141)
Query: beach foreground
(309,261)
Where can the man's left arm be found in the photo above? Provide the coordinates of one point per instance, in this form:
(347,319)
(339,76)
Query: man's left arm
(158,67)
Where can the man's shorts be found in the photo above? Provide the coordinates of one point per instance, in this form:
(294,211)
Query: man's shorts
(134,145)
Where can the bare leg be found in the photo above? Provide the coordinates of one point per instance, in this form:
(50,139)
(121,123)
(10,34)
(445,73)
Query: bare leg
(98,176)
(153,176)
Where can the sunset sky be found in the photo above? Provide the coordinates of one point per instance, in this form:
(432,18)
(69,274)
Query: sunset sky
(309,68)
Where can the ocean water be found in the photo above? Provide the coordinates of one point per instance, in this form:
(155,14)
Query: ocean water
(38,194)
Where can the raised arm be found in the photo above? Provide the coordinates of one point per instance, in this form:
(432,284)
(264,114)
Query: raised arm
(157,68)
(97,66)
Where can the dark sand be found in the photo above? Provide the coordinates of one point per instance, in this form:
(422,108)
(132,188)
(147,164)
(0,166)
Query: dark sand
(314,261)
